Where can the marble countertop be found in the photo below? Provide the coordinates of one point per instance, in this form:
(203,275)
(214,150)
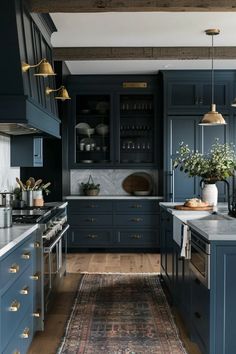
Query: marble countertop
(108,197)
(200,221)
(11,236)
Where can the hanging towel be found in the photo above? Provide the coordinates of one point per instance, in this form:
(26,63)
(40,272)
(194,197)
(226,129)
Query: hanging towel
(185,250)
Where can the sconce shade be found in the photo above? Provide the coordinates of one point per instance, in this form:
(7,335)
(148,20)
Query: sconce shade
(44,68)
(212,117)
(61,95)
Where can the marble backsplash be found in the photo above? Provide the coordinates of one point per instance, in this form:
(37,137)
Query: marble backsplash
(7,174)
(110,180)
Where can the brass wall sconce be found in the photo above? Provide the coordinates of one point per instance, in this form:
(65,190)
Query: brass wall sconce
(61,95)
(44,68)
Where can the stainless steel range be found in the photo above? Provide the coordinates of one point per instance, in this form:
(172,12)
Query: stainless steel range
(52,250)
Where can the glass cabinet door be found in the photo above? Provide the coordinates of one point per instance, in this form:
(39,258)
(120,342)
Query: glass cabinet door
(136,129)
(92,129)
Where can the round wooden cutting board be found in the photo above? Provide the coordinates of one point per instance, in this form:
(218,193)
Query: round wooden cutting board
(183,207)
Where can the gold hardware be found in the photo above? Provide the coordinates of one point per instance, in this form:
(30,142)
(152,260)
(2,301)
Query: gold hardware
(15,305)
(136,237)
(44,68)
(134,84)
(136,206)
(36,314)
(14,268)
(137,219)
(91,219)
(16,352)
(25,290)
(36,244)
(26,255)
(92,236)
(36,276)
(62,93)
(26,333)
(92,206)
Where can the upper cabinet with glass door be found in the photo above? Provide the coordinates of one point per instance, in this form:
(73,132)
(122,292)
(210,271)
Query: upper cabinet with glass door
(92,130)
(137,129)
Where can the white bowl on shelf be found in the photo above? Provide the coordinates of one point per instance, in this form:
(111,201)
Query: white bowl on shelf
(102,129)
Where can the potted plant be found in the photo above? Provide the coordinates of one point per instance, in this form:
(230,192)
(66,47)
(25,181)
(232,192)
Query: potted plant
(217,165)
(90,188)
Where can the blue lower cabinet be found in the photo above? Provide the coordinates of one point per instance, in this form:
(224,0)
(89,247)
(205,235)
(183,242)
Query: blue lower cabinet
(134,220)
(90,220)
(137,238)
(80,238)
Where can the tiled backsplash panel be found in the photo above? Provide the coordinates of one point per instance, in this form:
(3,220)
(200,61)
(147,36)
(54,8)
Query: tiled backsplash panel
(7,174)
(110,180)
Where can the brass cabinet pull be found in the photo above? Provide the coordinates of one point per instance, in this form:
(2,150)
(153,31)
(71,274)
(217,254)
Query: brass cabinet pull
(136,237)
(36,314)
(26,333)
(36,244)
(92,206)
(91,219)
(92,236)
(25,290)
(15,305)
(36,276)
(16,352)
(136,206)
(26,255)
(137,219)
(14,268)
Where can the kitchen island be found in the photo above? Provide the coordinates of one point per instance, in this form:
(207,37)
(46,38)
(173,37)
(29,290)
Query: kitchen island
(203,286)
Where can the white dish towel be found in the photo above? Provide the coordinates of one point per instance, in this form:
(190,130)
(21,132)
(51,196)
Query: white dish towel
(185,249)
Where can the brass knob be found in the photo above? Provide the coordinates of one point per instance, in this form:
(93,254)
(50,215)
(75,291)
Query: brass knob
(14,268)
(36,276)
(91,219)
(136,237)
(36,244)
(36,314)
(16,352)
(92,236)
(25,290)
(92,206)
(15,305)
(26,255)
(136,206)
(137,219)
(26,333)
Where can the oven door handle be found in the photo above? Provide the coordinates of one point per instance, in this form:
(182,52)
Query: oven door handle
(49,249)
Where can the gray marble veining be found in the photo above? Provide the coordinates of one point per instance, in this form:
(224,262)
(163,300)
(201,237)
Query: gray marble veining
(110,180)
(7,174)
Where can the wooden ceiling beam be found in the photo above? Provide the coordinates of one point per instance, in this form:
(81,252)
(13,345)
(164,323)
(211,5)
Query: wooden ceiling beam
(46,6)
(142,53)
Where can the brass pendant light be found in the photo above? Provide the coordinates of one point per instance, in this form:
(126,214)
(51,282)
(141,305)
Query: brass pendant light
(44,68)
(61,95)
(212,117)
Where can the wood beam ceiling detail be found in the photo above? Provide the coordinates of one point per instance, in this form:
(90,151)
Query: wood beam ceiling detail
(142,53)
(47,6)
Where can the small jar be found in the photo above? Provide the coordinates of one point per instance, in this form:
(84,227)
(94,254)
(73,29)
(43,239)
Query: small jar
(81,146)
(87,147)
(38,198)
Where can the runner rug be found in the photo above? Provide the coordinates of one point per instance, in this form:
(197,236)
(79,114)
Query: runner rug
(121,314)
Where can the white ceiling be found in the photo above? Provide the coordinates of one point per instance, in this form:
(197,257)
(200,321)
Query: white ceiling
(143,29)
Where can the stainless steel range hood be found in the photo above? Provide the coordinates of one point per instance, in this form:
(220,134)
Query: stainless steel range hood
(17,129)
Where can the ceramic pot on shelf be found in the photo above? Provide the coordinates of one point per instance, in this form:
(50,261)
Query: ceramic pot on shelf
(209,191)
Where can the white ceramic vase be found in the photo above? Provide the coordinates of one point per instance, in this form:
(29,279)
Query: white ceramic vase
(210,193)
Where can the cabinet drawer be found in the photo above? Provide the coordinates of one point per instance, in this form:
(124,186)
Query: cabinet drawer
(134,220)
(22,337)
(137,238)
(82,237)
(14,303)
(90,205)
(200,313)
(90,220)
(16,262)
(137,206)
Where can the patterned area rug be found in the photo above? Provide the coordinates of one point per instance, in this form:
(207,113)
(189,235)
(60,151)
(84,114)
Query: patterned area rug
(121,314)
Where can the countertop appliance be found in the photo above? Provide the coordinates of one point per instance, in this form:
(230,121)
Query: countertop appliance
(200,258)
(52,246)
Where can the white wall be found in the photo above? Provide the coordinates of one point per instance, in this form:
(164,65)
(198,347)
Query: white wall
(7,174)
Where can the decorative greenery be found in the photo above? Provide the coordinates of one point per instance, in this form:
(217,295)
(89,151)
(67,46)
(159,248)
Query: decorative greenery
(216,165)
(90,185)
(17,193)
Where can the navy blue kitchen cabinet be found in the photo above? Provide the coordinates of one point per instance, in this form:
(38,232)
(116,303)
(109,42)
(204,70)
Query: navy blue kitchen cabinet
(17,297)
(113,224)
(26,151)
(132,137)
(181,118)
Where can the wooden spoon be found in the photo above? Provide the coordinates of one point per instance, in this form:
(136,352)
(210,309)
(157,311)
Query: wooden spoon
(37,183)
(20,184)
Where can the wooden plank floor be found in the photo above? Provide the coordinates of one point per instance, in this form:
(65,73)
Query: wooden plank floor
(48,341)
